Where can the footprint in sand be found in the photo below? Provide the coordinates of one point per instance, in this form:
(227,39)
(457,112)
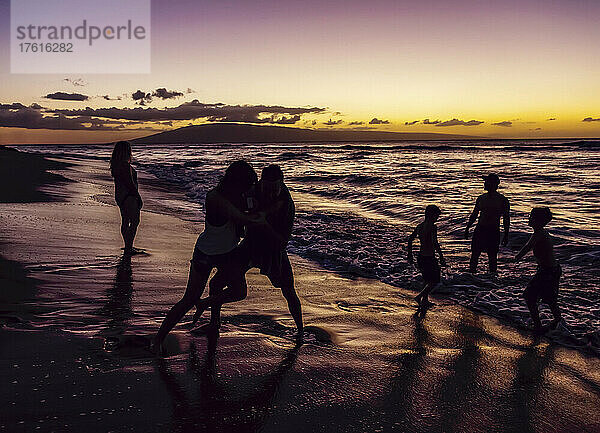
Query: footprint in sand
(343,305)
(375,305)
(346,306)
(314,335)
(320,335)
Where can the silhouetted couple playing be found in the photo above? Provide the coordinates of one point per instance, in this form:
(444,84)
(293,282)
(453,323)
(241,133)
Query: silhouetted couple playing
(489,208)
(263,213)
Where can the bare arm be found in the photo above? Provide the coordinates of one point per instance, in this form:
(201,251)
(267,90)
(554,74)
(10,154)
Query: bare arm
(223,206)
(472,218)
(437,247)
(411,239)
(527,247)
(506,221)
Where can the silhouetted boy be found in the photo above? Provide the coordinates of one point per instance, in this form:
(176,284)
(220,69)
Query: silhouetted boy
(426,261)
(544,284)
(486,237)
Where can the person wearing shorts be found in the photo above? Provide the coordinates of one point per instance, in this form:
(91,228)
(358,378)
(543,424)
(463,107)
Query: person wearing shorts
(265,245)
(544,284)
(430,269)
(216,246)
(427,263)
(489,208)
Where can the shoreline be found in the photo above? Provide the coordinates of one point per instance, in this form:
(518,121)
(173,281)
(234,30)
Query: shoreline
(500,298)
(368,364)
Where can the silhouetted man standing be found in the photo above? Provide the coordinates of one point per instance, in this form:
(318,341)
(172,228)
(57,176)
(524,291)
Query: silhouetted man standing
(489,207)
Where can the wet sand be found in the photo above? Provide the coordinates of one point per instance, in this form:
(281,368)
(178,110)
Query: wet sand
(76,323)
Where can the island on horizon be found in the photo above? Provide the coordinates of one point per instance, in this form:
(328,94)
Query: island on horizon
(242,133)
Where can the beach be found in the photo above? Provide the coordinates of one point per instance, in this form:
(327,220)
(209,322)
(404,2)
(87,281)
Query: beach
(357,203)
(77,316)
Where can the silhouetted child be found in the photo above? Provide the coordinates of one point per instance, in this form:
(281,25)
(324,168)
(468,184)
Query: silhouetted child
(489,208)
(544,284)
(426,261)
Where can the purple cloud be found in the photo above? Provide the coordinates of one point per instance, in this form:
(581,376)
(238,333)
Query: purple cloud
(31,118)
(163,93)
(197,110)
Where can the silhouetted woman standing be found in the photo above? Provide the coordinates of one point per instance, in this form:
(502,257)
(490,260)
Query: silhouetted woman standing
(126,192)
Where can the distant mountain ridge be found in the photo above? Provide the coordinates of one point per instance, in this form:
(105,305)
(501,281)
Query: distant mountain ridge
(241,133)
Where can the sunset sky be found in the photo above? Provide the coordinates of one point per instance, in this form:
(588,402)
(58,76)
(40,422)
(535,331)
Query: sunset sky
(475,67)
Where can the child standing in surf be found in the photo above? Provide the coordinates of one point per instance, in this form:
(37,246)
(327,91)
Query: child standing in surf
(426,260)
(544,284)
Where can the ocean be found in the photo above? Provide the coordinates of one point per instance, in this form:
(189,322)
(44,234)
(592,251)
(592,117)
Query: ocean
(358,202)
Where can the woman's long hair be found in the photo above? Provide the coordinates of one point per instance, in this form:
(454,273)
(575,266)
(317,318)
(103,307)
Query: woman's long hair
(238,178)
(121,155)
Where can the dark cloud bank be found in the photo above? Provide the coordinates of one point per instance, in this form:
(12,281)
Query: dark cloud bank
(62,96)
(19,115)
(451,122)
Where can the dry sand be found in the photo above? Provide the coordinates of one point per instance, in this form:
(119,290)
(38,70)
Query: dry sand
(76,317)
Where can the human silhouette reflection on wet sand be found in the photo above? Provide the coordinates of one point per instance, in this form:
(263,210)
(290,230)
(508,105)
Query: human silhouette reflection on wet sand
(405,380)
(215,403)
(458,391)
(117,308)
(526,386)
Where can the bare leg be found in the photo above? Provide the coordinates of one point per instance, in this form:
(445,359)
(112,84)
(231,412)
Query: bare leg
(124,224)
(423,297)
(473,262)
(294,306)
(130,213)
(125,230)
(231,275)
(237,290)
(493,261)
(216,289)
(556,313)
(216,285)
(533,310)
(133,225)
(195,286)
